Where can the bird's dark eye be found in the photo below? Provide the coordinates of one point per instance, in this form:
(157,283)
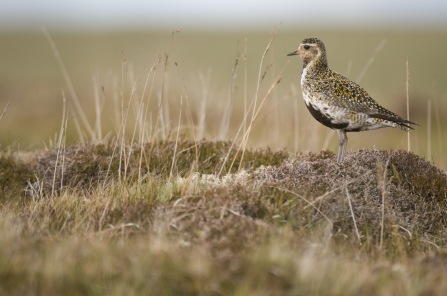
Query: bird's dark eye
(306,47)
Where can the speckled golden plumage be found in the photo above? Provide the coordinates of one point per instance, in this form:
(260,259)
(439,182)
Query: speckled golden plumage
(337,102)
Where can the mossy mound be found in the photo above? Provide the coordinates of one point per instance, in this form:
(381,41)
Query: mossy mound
(414,191)
(87,166)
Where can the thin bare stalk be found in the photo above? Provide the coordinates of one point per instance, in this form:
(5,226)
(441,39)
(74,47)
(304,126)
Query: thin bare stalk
(123,133)
(255,114)
(225,123)
(141,112)
(438,125)
(117,117)
(293,95)
(123,70)
(103,215)
(78,127)
(204,82)
(4,110)
(64,141)
(371,60)
(244,56)
(69,83)
(383,202)
(297,126)
(242,125)
(196,165)
(145,131)
(177,137)
(321,197)
(352,215)
(115,147)
(98,109)
(164,83)
(429,130)
(116,105)
(408,101)
(258,85)
(348,68)
(329,135)
(61,135)
(235,138)
(308,202)
(274,101)
(160,117)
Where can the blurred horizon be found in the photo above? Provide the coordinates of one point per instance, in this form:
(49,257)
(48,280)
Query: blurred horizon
(109,47)
(230,15)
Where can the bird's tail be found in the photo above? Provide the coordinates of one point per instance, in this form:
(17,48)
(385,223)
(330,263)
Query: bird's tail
(396,121)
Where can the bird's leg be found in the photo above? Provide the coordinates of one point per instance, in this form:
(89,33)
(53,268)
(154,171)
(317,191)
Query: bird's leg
(343,141)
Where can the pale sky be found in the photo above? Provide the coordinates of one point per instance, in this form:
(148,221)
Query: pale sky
(227,14)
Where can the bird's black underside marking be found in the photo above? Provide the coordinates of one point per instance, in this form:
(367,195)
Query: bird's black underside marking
(357,129)
(323,119)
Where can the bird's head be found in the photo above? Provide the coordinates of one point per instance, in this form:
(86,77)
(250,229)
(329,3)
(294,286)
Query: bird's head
(311,49)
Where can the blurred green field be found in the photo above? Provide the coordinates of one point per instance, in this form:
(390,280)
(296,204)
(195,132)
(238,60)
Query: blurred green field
(203,64)
(127,218)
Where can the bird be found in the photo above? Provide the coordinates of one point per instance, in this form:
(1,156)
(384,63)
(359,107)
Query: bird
(337,102)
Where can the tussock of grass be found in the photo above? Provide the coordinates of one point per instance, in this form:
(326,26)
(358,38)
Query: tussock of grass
(415,191)
(88,166)
(282,225)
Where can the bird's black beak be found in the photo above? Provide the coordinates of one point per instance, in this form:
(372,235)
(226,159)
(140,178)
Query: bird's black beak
(296,52)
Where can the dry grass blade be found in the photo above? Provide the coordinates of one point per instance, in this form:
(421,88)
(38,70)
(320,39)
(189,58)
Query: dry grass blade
(6,107)
(255,112)
(226,116)
(438,125)
(371,60)
(98,110)
(247,134)
(70,86)
(334,190)
(244,56)
(195,167)
(309,204)
(258,85)
(383,202)
(429,130)
(233,143)
(408,101)
(352,215)
(177,137)
(59,144)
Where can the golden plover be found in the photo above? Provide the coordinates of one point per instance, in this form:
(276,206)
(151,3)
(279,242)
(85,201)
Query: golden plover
(337,102)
